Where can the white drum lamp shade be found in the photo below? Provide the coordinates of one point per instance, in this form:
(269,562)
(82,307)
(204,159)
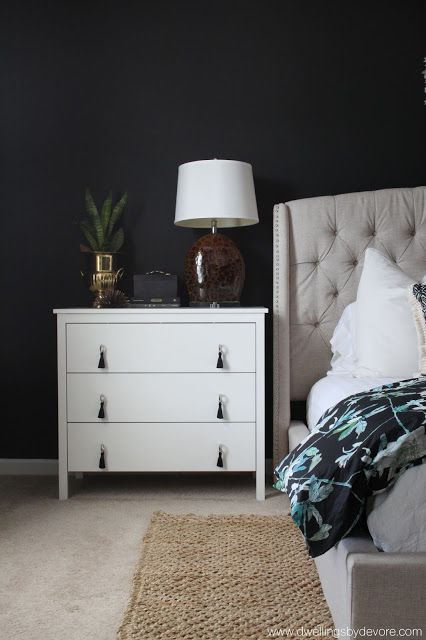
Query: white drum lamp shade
(213,194)
(219,190)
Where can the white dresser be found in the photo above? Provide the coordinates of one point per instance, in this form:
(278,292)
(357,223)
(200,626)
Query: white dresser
(161,390)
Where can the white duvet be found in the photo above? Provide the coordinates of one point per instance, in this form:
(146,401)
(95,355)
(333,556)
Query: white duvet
(330,390)
(396,518)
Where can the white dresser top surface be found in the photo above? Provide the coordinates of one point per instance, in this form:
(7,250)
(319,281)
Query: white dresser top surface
(168,310)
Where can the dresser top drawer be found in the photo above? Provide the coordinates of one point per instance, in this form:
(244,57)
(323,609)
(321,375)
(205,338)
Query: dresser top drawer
(160,347)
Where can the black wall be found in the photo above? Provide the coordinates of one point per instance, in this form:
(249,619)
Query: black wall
(319,96)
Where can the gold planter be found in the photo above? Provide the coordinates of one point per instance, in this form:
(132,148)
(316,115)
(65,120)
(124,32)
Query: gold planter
(102,271)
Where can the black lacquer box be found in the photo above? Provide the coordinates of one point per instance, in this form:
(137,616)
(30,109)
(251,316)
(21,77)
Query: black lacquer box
(155,284)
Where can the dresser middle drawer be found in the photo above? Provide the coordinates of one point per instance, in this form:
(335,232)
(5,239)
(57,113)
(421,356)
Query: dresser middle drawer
(161,397)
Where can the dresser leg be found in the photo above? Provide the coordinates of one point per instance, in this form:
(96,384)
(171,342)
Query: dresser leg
(260,486)
(63,485)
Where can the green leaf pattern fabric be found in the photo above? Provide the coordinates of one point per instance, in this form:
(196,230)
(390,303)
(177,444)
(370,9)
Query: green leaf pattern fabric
(359,447)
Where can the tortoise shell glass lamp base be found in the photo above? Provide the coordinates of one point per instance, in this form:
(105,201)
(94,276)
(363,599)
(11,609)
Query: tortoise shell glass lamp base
(215,194)
(214,272)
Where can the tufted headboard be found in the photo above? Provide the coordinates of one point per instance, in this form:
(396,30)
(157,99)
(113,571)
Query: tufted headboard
(319,246)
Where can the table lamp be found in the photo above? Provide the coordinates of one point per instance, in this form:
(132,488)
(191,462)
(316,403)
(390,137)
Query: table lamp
(212,194)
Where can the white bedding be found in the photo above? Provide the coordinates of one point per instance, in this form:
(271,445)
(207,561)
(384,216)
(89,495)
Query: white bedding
(396,518)
(330,390)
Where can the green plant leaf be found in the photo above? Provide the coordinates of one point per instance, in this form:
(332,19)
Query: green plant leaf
(117,240)
(90,235)
(106,212)
(94,216)
(116,213)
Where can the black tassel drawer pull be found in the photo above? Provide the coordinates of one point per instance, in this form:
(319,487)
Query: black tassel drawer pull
(219,410)
(219,462)
(102,458)
(101,364)
(219,359)
(101,413)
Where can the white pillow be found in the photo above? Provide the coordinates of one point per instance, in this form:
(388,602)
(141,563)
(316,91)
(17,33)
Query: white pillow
(386,333)
(417,297)
(343,343)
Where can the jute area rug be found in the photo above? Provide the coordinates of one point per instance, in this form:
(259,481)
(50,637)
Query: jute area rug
(223,577)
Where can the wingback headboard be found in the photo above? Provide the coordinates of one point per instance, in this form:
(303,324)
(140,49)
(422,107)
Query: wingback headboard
(319,246)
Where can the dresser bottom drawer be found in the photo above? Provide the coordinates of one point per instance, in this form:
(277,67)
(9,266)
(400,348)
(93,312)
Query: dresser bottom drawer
(161,446)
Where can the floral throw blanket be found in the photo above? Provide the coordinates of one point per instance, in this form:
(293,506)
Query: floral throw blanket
(359,447)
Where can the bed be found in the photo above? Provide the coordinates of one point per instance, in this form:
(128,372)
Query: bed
(319,246)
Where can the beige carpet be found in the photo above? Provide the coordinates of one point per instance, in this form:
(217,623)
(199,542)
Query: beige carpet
(66,567)
(223,577)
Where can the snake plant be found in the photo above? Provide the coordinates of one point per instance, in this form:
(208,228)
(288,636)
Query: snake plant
(99,228)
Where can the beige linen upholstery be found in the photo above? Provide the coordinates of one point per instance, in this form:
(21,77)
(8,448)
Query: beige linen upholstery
(387,590)
(319,246)
(336,577)
(367,588)
(297,432)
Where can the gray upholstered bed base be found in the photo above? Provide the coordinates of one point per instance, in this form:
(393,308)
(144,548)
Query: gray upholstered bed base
(319,245)
(367,588)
